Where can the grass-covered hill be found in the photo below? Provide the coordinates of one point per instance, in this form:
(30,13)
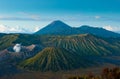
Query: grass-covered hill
(25,39)
(55,52)
(54,59)
(84,44)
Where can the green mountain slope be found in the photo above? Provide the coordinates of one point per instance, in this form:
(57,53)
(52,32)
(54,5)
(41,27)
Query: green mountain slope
(54,59)
(25,39)
(55,53)
(30,46)
(7,40)
(84,44)
(69,52)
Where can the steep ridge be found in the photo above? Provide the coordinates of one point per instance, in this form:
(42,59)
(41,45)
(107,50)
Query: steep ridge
(55,52)
(84,44)
(54,59)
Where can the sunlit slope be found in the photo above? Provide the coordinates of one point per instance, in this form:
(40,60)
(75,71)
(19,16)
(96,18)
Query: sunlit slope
(25,39)
(84,44)
(54,59)
(7,40)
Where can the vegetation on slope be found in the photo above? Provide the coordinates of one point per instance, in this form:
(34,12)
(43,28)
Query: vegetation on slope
(27,39)
(7,41)
(54,59)
(61,52)
(84,44)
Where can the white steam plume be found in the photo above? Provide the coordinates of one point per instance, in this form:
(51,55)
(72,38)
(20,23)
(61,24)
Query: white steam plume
(17,48)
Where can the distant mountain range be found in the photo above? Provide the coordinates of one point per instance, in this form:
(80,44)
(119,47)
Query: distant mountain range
(53,52)
(58,47)
(60,28)
(68,52)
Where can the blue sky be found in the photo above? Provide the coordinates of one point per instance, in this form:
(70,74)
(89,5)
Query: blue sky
(31,15)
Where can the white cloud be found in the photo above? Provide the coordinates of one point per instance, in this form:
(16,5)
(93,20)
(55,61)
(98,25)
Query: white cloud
(3,28)
(36,29)
(17,29)
(109,28)
(97,17)
(112,28)
(32,16)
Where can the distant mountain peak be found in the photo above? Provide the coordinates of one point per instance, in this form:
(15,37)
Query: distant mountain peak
(56,27)
(59,23)
(60,28)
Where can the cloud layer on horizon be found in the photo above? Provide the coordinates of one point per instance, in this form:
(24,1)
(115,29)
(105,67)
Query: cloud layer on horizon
(111,28)
(17,29)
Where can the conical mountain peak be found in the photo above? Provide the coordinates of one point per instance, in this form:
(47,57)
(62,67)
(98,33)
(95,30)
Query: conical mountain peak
(56,28)
(58,23)
(52,59)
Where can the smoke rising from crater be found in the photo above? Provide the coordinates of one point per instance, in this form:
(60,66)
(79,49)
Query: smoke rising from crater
(17,48)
